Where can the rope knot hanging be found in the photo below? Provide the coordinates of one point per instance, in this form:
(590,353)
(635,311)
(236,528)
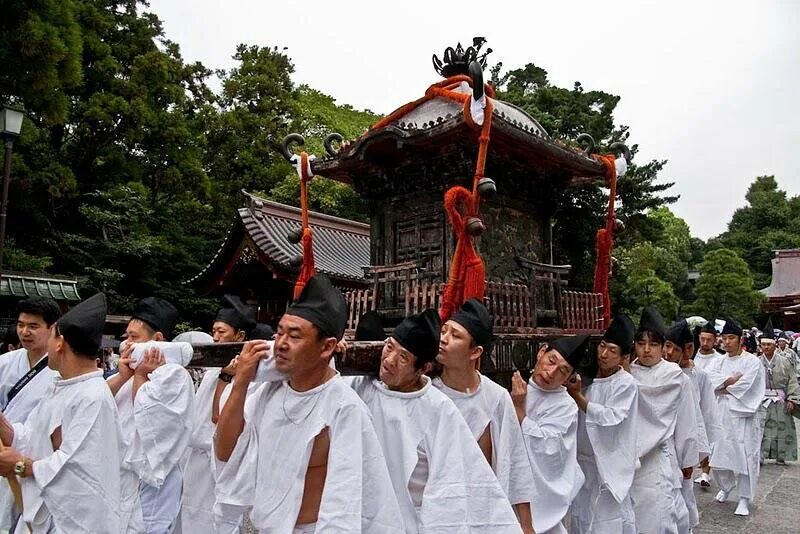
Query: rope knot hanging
(605,238)
(467,276)
(302,164)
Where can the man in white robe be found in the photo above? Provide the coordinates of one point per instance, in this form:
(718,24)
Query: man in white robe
(154,400)
(301,454)
(666,430)
(739,382)
(607,438)
(486,406)
(66,454)
(234,322)
(442,480)
(705,357)
(549,420)
(25,377)
(679,348)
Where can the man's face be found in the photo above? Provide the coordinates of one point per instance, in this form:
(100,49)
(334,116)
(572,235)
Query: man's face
(782,344)
(398,371)
(455,346)
(225,333)
(138,332)
(551,371)
(299,347)
(673,352)
(731,343)
(609,356)
(768,348)
(33,332)
(707,342)
(649,350)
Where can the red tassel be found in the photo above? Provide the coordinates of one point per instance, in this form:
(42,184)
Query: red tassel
(467,278)
(605,240)
(307,270)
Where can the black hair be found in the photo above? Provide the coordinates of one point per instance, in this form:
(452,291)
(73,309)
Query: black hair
(44,307)
(654,336)
(80,352)
(11,337)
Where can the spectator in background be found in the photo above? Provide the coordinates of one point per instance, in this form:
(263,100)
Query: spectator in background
(10,340)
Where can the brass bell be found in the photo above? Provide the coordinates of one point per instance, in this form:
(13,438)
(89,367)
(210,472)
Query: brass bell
(475,226)
(619,226)
(486,187)
(295,236)
(296,262)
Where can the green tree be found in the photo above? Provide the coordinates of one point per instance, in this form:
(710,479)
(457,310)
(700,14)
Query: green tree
(114,189)
(319,116)
(566,113)
(646,288)
(40,52)
(725,287)
(770,221)
(258,107)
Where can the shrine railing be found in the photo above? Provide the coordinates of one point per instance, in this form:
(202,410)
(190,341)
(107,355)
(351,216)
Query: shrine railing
(582,311)
(512,305)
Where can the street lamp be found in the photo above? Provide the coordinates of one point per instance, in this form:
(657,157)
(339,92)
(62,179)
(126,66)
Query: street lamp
(10,126)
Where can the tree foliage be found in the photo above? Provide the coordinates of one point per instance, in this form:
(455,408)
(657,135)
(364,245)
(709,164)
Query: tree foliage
(41,55)
(725,288)
(566,113)
(130,166)
(769,222)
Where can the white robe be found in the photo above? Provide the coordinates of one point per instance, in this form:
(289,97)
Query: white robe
(702,361)
(709,430)
(737,452)
(550,430)
(76,489)
(266,471)
(490,406)
(667,443)
(13,366)
(607,456)
(156,427)
(461,492)
(199,466)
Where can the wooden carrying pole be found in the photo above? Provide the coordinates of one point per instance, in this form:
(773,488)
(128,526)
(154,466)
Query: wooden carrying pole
(361,357)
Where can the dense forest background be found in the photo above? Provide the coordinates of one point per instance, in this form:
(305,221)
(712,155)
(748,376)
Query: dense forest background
(128,154)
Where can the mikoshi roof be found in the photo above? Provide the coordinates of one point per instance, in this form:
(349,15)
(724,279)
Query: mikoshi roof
(436,119)
(341,246)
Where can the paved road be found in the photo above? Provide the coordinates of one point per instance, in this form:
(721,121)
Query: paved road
(776,509)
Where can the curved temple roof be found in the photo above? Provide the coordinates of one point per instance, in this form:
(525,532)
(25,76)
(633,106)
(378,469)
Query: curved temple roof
(785,275)
(24,285)
(341,246)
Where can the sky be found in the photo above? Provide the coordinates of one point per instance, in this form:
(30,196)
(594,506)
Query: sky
(710,86)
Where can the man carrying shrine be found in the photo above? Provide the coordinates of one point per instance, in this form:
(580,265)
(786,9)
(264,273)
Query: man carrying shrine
(607,438)
(549,419)
(485,405)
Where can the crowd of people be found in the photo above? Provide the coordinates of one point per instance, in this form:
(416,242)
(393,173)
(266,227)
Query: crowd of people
(615,438)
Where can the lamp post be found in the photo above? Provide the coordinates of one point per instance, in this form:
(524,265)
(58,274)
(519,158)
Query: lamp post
(10,126)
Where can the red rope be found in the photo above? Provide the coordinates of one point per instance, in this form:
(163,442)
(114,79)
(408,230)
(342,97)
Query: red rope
(467,277)
(605,238)
(307,270)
